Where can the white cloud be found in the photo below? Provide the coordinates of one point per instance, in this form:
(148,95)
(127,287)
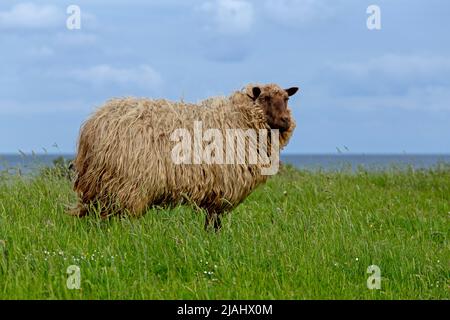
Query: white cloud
(429,98)
(231,17)
(389,74)
(409,82)
(41,51)
(143,76)
(398,66)
(15,107)
(70,38)
(297,13)
(31,16)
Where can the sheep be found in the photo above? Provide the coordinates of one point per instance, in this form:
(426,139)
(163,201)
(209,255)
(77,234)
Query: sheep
(125,163)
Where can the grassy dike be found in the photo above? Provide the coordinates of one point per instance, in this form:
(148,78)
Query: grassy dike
(303,235)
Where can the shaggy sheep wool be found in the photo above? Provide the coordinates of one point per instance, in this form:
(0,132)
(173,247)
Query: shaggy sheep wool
(124,160)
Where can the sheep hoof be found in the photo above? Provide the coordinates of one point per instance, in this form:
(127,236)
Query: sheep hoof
(77,212)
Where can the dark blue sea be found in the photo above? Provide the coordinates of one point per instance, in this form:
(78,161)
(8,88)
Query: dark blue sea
(329,162)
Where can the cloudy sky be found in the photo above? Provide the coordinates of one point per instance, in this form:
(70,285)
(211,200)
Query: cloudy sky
(368,91)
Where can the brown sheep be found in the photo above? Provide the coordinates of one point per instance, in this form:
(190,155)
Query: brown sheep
(125,163)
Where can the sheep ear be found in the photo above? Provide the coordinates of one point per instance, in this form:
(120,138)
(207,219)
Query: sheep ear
(256,92)
(291,91)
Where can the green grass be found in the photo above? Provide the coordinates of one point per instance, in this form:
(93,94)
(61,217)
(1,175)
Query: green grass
(303,235)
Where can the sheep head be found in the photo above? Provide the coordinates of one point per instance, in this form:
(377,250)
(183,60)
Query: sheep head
(274,101)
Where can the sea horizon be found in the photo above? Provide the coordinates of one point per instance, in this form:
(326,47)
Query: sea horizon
(308,161)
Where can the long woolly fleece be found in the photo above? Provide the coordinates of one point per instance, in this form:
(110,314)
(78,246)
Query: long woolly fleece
(124,154)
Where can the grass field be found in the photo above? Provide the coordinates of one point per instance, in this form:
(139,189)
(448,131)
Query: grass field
(303,235)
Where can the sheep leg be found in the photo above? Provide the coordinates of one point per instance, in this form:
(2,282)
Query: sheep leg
(207,220)
(217,223)
(79,211)
(213,218)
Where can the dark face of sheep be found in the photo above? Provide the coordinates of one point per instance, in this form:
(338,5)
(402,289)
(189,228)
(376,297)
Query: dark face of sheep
(275,106)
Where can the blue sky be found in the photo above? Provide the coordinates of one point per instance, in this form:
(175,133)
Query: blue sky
(370,91)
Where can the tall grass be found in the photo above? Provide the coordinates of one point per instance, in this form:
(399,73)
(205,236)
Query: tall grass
(303,235)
